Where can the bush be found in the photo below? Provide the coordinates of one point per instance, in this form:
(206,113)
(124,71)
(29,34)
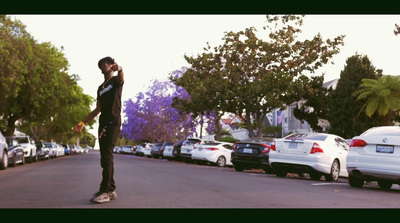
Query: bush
(228,139)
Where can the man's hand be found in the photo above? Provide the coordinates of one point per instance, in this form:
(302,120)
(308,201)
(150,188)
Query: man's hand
(116,67)
(78,127)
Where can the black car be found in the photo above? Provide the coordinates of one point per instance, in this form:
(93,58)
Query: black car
(15,152)
(252,153)
(176,152)
(158,149)
(42,151)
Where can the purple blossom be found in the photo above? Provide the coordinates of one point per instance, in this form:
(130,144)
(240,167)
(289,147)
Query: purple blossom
(150,116)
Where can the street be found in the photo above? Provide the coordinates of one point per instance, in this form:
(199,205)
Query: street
(70,181)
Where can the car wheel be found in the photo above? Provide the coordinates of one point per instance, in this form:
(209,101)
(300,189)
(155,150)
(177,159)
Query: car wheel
(280,173)
(14,160)
(315,176)
(238,167)
(35,158)
(23,160)
(384,184)
(221,161)
(4,161)
(335,170)
(30,158)
(355,182)
(267,169)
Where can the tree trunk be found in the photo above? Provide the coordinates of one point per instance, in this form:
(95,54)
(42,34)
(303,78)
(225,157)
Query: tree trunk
(248,125)
(201,125)
(10,128)
(219,128)
(260,125)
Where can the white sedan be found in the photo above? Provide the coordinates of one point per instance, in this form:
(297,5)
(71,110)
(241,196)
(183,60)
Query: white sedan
(375,156)
(167,153)
(147,150)
(218,153)
(314,153)
(187,148)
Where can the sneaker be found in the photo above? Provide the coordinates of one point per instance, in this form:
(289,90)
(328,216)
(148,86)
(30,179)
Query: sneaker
(100,197)
(112,195)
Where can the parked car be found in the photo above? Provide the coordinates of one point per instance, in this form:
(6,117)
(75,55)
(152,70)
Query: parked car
(67,149)
(78,150)
(29,147)
(72,149)
(117,149)
(42,151)
(147,150)
(15,152)
(126,150)
(218,153)
(140,149)
(60,150)
(187,148)
(158,148)
(176,152)
(375,156)
(3,153)
(252,153)
(86,149)
(52,149)
(314,153)
(168,152)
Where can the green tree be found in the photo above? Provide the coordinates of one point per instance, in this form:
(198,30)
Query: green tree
(312,101)
(343,108)
(250,76)
(36,89)
(206,84)
(382,97)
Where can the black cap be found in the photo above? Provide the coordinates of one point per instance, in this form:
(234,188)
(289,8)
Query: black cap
(108,59)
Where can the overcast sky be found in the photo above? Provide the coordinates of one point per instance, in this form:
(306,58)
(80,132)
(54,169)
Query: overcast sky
(152,46)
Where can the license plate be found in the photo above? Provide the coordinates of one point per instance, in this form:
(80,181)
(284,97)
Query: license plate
(384,149)
(247,150)
(169,150)
(188,150)
(200,149)
(293,145)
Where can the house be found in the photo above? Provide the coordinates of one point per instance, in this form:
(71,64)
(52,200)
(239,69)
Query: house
(230,121)
(284,118)
(290,124)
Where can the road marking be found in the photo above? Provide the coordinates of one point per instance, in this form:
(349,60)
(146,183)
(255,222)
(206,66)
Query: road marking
(322,184)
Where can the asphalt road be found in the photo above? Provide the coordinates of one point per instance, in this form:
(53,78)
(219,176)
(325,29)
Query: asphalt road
(70,181)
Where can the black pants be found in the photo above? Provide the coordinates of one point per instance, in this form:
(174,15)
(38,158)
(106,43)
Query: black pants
(107,143)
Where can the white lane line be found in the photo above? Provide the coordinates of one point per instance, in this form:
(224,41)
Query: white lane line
(322,184)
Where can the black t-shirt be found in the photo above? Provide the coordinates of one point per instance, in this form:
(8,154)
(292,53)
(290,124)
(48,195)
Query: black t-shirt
(109,97)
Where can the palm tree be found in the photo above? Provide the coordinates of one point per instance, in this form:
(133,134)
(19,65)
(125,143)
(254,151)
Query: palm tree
(382,96)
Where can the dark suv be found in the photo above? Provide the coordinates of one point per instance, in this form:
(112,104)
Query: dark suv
(176,152)
(252,153)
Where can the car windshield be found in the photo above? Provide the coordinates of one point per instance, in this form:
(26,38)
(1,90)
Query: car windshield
(11,142)
(314,136)
(48,145)
(22,140)
(212,143)
(386,131)
(189,142)
(258,140)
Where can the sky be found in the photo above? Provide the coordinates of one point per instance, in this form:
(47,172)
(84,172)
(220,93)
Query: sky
(152,46)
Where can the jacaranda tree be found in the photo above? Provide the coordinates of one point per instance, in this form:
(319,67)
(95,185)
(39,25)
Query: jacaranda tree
(150,116)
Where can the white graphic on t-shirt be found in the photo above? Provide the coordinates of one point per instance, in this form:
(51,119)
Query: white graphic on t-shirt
(105,89)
